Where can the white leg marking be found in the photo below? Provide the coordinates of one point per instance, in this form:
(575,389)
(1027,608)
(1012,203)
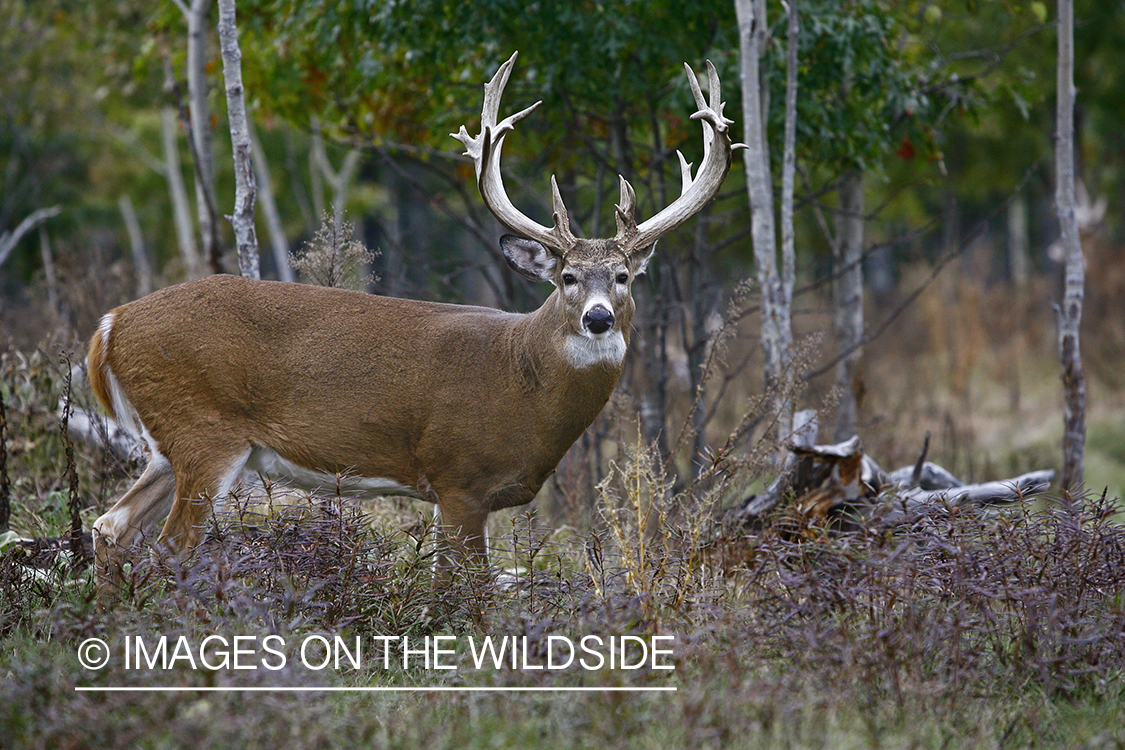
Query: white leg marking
(226,482)
(146,502)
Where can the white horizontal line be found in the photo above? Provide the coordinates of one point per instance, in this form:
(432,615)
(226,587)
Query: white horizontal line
(368,689)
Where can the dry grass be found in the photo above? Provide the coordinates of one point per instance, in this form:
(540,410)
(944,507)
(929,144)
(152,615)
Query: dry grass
(957,629)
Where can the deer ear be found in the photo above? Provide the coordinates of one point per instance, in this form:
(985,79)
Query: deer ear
(639,262)
(530,258)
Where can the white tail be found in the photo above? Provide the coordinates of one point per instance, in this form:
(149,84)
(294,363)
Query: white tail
(468,407)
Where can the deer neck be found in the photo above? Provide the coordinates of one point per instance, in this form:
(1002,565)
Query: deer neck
(576,373)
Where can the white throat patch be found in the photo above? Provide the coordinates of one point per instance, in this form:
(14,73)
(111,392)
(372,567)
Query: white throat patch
(583,351)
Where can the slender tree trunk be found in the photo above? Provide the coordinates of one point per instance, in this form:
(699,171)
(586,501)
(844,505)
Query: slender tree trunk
(777,334)
(181,209)
(279,243)
(51,277)
(338,180)
(789,163)
(245,188)
(317,155)
(1017,242)
(141,268)
(200,122)
(1070,314)
(848,303)
(788,236)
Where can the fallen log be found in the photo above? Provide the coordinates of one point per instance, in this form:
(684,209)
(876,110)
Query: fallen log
(102,432)
(900,504)
(841,481)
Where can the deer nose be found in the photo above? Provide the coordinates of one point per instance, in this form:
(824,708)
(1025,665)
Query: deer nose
(597,319)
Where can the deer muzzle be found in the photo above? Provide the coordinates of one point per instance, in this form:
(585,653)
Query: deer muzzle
(597,320)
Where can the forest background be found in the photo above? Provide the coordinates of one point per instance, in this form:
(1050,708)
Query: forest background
(924,142)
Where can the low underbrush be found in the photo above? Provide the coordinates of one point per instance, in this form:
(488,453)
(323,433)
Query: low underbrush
(306,620)
(962,629)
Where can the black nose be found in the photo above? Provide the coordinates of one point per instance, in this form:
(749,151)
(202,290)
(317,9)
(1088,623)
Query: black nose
(597,319)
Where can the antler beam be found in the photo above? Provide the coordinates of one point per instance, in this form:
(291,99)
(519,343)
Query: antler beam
(631,238)
(695,193)
(484,150)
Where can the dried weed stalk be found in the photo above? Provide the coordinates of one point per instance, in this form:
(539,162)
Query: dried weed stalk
(334,258)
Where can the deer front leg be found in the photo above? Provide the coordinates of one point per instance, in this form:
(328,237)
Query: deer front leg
(146,502)
(462,539)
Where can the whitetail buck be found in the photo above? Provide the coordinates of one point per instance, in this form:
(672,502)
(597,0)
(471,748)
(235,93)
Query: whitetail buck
(467,407)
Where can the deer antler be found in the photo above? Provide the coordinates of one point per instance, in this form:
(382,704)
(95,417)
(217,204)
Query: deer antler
(695,193)
(485,153)
(632,238)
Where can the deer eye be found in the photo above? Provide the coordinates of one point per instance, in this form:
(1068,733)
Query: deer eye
(622,278)
(569,280)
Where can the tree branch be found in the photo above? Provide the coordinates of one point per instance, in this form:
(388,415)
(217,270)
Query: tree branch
(9,240)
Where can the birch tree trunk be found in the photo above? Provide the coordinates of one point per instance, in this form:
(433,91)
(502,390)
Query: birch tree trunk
(789,172)
(1070,314)
(200,125)
(316,172)
(9,240)
(777,334)
(1018,242)
(181,209)
(245,189)
(50,276)
(141,268)
(279,243)
(338,180)
(848,303)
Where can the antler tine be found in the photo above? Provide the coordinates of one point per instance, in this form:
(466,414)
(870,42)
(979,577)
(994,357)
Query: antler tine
(715,92)
(698,192)
(484,150)
(685,172)
(560,217)
(626,211)
(693,82)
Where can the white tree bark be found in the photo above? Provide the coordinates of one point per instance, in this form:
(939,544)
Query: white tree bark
(9,240)
(789,163)
(1070,314)
(50,276)
(848,303)
(279,243)
(777,332)
(1017,242)
(338,180)
(141,268)
(245,188)
(181,209)
(200,120)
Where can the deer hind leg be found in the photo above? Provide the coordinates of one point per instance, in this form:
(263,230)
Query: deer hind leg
(146,502)
(205,478)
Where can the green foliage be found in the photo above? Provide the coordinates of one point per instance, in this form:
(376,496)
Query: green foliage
(859,90)
(987,70)
(412,70)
